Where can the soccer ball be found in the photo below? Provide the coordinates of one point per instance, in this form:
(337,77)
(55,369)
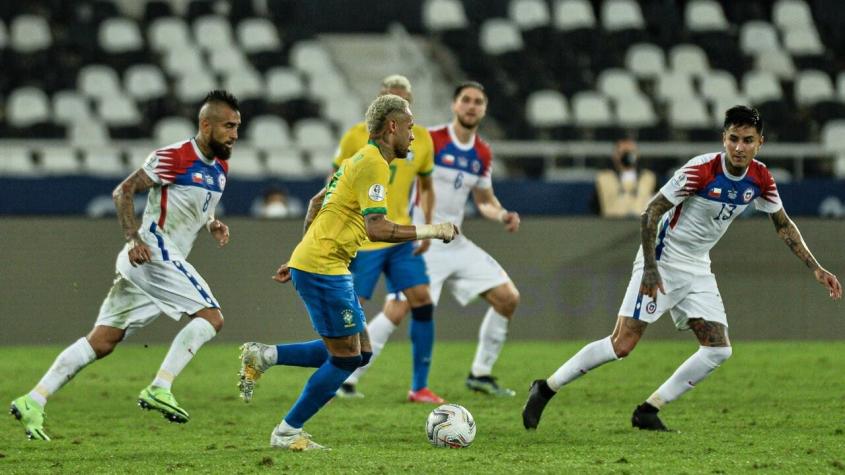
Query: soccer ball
(450,425)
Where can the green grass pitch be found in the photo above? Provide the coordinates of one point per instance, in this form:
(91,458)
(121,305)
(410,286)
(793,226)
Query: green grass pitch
(773,407)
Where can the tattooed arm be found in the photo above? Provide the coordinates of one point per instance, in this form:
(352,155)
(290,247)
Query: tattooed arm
(648,228)
(124,202)
(380,229)
(789,233)
(313,208)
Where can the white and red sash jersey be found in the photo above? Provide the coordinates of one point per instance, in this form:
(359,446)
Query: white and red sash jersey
(707,199)
(458,168)
(190,185)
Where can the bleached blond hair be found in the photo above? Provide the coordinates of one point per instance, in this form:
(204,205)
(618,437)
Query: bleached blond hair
(396,81)
(381,109)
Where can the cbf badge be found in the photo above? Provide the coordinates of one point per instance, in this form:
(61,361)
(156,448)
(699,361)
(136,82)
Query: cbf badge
(348,318)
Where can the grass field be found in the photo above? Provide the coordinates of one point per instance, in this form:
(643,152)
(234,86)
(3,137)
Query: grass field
(774,407)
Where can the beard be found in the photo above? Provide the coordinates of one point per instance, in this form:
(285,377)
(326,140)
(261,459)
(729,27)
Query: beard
(220,150)
(467,125)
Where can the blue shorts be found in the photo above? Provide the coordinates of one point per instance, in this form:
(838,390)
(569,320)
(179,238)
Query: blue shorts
(331,303)
(401,268)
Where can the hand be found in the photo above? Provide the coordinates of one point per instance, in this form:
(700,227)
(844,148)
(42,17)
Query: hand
(830,281)
(422,247)
(219,231)
(511,221)
(139,253)
(447,232)
(651,283)
(282,275)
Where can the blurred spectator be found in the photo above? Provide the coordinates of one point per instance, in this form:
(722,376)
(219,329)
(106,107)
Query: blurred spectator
(276,204)
(625,190)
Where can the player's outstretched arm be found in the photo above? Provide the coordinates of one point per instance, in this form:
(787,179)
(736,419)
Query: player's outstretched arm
(648,229)
(490,207)
(379,229)
(789,233)
(314,206)
(124,202)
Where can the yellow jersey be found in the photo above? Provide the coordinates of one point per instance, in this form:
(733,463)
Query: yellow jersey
(357,188)
(403,172)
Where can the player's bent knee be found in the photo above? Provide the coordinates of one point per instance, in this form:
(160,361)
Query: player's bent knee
(346,363)
(623,348)
(717,355)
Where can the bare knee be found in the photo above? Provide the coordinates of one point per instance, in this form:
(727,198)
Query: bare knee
(213,317)
(626,335)
(623,347)
(103,340)
(395,310)
(504,299)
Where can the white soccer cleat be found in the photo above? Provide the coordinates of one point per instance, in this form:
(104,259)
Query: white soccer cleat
(256,358)
(296,441)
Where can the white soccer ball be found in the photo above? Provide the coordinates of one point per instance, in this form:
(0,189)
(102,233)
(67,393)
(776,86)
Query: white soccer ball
(450,425)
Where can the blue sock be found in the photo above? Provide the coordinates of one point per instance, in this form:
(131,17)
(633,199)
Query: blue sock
(422,343)
(321,387)
(311,354)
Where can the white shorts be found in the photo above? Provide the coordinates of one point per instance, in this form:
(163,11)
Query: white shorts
(140,294)
(466,268)
(688,295)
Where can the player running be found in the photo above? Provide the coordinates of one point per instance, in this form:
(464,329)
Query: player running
(185,181)
(348,210)
(683,221)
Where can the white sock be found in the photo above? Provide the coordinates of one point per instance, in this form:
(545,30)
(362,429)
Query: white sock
(285,428)
(64,368)
(184,347)
(491,338)
(591,356)
(380,328)
(691,372)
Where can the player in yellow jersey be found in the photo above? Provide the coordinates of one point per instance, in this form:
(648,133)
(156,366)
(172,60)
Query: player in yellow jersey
(350,209)
(402,264)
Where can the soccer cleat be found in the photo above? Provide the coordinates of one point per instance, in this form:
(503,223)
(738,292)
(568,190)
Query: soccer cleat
(31,415)
(295,441)
(348,391)
(533,408)
(254,363)
(488,385)
(645,418)
(162,400)
(425,396)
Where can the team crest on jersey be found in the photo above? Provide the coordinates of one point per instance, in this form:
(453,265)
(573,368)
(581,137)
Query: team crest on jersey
(732,194)
(651,307)
(448,159)
(476,166)
(221,180)
(209,180)
(747,195)
(376,192)
(348,317)
(463,162)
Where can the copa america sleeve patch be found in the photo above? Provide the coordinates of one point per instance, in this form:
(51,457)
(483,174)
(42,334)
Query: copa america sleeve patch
(376,192)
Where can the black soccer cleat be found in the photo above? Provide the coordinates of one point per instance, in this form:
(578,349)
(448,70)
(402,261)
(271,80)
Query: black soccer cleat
(539,394)
(645,418)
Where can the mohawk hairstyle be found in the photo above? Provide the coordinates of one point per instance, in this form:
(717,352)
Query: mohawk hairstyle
(224,96)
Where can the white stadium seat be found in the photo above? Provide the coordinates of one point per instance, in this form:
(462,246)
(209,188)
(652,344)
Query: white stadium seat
(183,60)
(705,15)
(120,35)
(777,62)
(718,83)
(119,111)
(635,110)
(168,33)
(27,106)
(244,83)
(315,136)
(227,59)
(249,163)
(591,109)
(499,36)
(60,160)
(617,82)
(833,139)
(529,14)
(547,108)
(761,86)
(311,57)
(98,81)
(674,85)
(840,86)
(792,14)
(617,15)
(70,106)
(145,82)
(105,162)
(267,132)
(88,133)
(212,32)
(688,113)
(573,15)
(256,35)
(645,60)
(723,103)
(345,111)
(194,86)
(805,42)
(812,86)
(690,59)
(758,36)
(173,129)
(288,163)
(30,33)
(17,162)
(284,84)
(443,15)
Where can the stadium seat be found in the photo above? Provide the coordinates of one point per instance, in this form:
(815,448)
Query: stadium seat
(173,129)
(443,15)
(212,32)
(315,136)
(689,59)
(98,81)
(104,162)
(591,109)
(120,35)
(284,84)
(145,82)
(791,15)
(688,113)
(635,111)
(136,155)
(183,60)
(26,107)
(168,32)
(723,103)
(60,160)
(705,15)
(499,36)
(119,111)
(328,87)
(227,59)
(573,15)
(289,163)
(777,62)
(812,87)
(717,84)
(760,86)
(249,164)
(311,57)
(617,15)
(70,106)
(345,111)
(616,83)
(244,83)
(833,139)
(88,133)
(645,60)
(546,109)
(758,37)
(17,162)
(529,14)
(268,132)
(30,33)
(840,86)
(803,42)
(674,85)
(192,87)
(256,35)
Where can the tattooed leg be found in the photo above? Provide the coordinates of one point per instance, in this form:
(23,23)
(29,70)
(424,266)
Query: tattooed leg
(709,333)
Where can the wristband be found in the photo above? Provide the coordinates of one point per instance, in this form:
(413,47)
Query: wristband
(426,231)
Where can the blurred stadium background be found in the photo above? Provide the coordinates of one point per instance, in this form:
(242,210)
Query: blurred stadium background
(88,88)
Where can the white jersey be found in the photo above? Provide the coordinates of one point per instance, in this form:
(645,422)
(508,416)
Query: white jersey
(707,199)
(458,169)
(190,186)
